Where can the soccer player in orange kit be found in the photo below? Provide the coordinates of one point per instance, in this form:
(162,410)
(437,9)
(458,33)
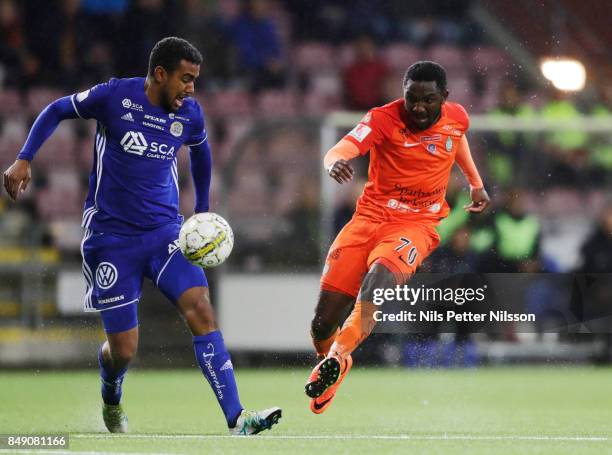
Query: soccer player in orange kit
(413,143)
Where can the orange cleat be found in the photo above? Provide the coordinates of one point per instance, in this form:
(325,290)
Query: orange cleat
(324,381)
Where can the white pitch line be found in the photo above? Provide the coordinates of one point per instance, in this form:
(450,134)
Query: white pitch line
(70,452)
(401,437)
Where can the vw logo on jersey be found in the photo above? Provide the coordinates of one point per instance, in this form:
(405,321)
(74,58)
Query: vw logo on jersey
(134,142)
(106,275)
(176,129)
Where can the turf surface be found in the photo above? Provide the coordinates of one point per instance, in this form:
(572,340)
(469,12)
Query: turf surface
(483,411)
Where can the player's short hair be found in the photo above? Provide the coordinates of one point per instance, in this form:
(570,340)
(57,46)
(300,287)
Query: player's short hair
(426,71)
(169,52)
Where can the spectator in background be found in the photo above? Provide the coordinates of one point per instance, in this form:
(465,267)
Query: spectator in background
(70,44)
(205,25)
(364,79)
(601,146)
(17,63)
(597,249)
(568,148)
(144,23)
(256,39)
(510,149)
(456,257)
(515,238)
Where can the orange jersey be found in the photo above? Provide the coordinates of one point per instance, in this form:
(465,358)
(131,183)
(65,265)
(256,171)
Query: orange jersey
(409,171)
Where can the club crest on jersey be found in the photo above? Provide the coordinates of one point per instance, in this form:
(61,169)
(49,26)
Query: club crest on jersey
(431,148)
(449,144)
(176,129)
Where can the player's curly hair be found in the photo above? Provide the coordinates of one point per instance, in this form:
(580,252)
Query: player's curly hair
(426,71)
(169,52)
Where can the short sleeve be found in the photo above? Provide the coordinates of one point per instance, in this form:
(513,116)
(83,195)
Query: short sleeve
(370,131)
(458,113)
(198,134)
(93,102)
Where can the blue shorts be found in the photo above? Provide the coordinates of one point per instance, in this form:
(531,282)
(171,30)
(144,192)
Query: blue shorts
(114,266)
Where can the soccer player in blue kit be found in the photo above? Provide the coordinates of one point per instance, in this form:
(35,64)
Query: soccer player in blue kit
(131,218)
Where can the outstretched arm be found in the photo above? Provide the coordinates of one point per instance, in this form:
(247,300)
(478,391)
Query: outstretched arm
(201,171)
(17,177)
(479,196)
(337,158)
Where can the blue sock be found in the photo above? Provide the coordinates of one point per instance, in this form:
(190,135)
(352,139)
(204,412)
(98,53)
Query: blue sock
(111,381)
(215,362)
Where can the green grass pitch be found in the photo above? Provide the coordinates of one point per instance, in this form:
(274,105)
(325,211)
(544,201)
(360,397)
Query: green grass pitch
(482,411)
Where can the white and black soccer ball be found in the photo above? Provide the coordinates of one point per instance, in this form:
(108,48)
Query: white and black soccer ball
(206,239)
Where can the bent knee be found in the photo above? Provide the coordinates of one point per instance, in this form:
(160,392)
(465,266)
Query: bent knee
(321,329)
(124,354)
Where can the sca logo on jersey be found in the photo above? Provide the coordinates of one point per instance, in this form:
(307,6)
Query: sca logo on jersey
(129,104)
(172,247)
(135,142)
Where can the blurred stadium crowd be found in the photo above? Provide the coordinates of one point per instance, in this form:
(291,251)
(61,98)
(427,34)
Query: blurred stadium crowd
(271,69)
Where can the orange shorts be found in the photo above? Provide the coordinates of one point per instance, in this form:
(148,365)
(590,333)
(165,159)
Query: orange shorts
(399,245)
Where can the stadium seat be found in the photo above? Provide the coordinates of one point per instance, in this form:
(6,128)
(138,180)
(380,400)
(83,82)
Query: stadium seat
(65,179)
(461,91)
(253,184)
(10,103)
(67,234)
(59,149)
(451,57)
(317,103)
(488,59)
(235,131)
(58,203)
(230,102)
(277,104)
(345,54)
(39,97)
(315,57)
(187,200)
(328,84)
(400,56)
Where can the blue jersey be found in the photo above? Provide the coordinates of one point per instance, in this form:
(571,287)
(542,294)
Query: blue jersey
(133,186)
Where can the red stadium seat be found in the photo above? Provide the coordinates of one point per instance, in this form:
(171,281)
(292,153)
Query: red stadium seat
(400,56)
(230,103)
(38,98)
(58,203)
(315,57)
(317,103)
(10,103)
(346,54)
(489,59)
(450,57)
(277,103)
(59,150)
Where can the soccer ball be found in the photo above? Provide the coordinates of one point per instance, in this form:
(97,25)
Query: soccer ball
(206,239)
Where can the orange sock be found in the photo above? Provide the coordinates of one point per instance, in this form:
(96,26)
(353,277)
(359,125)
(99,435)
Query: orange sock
(322,346)
(355,329)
